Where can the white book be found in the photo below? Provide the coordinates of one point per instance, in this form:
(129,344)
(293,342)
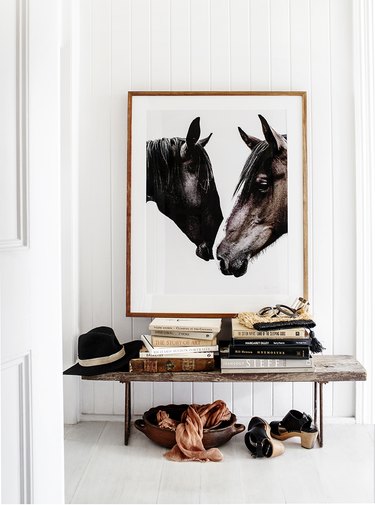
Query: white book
(264,363)
(269,370)
(198,335)
(147,354)
(209,325)
(157,351)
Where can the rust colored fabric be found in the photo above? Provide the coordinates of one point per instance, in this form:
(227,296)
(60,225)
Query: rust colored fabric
(189,432)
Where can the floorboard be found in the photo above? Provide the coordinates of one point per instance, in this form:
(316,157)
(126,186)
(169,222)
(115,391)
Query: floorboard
(100,469)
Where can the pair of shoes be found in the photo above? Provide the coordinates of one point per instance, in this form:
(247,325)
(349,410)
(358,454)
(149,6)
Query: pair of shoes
(259,442)
(295,424)
(264,440)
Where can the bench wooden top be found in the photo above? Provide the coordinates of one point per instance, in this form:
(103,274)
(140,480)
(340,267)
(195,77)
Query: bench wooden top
(326,369)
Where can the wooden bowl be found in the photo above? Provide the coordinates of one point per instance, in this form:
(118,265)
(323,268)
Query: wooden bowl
(212,437)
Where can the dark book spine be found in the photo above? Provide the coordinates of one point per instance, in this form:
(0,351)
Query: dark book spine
(273,342)
(156,364)
(288,352)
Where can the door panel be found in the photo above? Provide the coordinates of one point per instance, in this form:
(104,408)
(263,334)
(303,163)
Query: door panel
(30,258)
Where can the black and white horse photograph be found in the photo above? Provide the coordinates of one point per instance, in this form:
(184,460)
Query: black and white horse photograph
(220,205)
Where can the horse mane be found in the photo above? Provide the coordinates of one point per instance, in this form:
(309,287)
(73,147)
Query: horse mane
(260,157)
(164,162)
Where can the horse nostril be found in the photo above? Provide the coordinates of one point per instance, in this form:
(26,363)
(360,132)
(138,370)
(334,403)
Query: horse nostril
(224,266)
(204,251)
(242,269)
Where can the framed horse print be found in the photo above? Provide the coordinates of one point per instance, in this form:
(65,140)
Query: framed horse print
(216,202)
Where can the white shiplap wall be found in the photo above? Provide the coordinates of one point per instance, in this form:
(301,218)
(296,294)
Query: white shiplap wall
(217,45)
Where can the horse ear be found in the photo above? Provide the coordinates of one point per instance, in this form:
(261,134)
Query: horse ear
(193,133)
(251,142)
(203,142)
(273,138)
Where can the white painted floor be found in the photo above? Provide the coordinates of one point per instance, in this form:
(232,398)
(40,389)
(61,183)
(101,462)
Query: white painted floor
(100,469)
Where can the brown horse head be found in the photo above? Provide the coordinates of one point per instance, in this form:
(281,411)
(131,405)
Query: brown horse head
(260,213)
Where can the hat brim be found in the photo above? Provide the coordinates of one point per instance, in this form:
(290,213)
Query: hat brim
(121,365)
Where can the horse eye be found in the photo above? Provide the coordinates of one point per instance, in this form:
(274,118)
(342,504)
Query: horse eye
(262,184)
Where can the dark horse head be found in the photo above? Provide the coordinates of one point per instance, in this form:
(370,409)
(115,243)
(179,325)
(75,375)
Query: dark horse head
(181,183)
(260,213)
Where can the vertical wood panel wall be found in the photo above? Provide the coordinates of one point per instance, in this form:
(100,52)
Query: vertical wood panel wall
(217,45)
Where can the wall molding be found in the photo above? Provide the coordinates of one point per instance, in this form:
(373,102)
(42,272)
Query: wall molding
(364,80)
(22,112)
(23,365)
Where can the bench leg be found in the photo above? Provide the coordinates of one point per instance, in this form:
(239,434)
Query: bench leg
(127,412)
(320,434)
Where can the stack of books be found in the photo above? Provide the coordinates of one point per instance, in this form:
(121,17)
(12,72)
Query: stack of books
(253,351)
(177,345)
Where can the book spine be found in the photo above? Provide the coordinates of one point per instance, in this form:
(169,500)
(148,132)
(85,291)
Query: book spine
(268,370)
(195,335)
(182,327)
(264,363)
(292,341)
(146,354)
(156,351)
(287,352)
(137,365)
(179,342)
(289,333)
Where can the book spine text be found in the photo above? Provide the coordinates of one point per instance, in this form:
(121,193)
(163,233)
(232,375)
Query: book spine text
(287,352)
(196,335)
(263,363)
(289,333)
(179,342)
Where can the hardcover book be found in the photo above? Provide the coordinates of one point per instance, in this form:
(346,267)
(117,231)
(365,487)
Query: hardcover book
(154,365)
(265,363)
(268,370)
(240,331)
(290,352)
(196,335)
(157,341)
(144,353)
(268,342)
(186,324)
(155,351)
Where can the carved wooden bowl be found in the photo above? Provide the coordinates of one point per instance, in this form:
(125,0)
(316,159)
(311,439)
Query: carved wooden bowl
(212,437)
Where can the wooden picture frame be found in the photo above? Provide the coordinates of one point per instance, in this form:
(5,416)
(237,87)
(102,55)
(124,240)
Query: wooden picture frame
(187,154)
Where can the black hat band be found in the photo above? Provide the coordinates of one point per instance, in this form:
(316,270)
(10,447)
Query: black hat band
(103,360)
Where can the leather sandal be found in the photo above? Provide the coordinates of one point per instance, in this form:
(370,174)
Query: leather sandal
(259,441)
(295,424)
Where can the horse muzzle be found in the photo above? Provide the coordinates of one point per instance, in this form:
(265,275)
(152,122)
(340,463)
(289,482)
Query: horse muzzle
(204,251)
(236,268)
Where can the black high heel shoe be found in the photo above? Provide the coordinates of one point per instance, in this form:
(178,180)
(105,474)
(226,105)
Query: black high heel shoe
(295,424)
(259,442)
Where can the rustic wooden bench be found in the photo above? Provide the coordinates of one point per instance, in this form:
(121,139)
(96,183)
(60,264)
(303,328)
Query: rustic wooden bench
(326,369)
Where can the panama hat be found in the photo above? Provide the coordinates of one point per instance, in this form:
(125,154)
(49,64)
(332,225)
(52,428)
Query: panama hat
(99,351)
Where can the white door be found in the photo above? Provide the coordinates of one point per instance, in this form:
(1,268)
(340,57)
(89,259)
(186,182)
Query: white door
(30,259)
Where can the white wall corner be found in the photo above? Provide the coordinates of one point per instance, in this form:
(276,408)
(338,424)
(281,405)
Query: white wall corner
(364,82)
(69,75)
